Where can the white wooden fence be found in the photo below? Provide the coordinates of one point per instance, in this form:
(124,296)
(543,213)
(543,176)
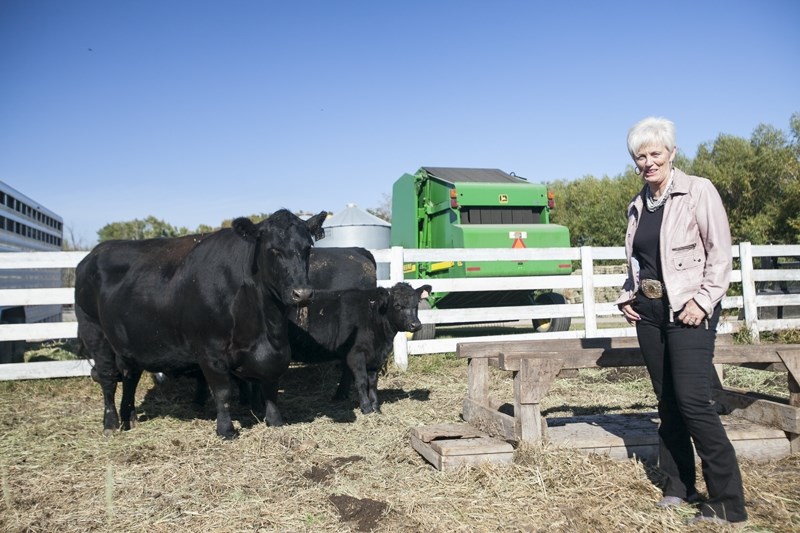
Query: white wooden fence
(585,281)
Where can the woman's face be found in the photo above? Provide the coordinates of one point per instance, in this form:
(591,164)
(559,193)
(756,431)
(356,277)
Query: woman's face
(654,163)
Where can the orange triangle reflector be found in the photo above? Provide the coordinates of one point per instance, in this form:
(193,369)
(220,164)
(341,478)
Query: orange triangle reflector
(518,243)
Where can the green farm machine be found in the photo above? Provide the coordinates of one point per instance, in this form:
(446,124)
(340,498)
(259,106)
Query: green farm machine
(477,208)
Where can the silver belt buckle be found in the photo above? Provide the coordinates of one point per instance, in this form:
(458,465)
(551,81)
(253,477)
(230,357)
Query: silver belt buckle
(652,288)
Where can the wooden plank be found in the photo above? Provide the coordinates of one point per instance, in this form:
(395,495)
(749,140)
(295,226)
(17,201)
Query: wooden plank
(478,380)
(45,370)
(612,357)
(36,332)
(792,362)
(12,297)
(723,343)
(529,423)
(470,446)
(588,358)
(493,422)
(41,259)
(756,409)
(791,359)
(451,430)
(494,349)
(534,378)
(627,435)
(448,446)
(426,451)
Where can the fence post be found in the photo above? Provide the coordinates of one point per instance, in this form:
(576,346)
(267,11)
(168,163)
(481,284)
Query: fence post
(749,291)
(587,282)
(400,344)
(396,264)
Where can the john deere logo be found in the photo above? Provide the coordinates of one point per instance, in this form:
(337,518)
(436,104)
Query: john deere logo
(503,198)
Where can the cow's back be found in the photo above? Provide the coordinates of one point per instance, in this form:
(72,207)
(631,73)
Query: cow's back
(334,323)
(342,268)
(151,297)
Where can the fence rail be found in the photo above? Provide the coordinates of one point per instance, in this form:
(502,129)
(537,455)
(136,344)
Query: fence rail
(585,280)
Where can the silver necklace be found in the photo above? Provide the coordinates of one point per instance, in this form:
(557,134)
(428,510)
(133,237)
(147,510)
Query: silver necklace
(654,205)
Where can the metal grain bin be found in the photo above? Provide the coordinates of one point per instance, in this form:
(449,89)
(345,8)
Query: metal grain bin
(355,227)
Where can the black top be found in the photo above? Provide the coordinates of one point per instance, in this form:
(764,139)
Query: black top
(473,175)
(646,244)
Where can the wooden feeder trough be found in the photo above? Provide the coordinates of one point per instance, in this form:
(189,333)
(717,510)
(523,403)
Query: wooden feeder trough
(448,446)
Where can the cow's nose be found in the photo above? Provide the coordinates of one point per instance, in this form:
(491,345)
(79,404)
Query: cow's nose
(415,326)
(302,295)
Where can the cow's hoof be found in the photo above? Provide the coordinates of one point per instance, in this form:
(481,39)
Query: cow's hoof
(231,435)
(109,432)
(367,410)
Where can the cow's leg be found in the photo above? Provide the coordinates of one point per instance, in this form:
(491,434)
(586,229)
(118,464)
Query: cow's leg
(104,371)
(372,378)
(130,379)
(219,381)
(269,395)
(200,391)
(345,382)
(356,360)
(109,387)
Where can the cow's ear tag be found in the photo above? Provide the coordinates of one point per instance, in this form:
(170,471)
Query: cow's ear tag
(424,292)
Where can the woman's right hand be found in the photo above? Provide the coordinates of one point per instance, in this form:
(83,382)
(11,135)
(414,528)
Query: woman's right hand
(630,315)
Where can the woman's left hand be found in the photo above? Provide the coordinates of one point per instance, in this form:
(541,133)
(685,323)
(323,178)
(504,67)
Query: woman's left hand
(691,314)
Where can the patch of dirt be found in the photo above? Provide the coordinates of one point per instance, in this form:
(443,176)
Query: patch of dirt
(320,474)
(365,512)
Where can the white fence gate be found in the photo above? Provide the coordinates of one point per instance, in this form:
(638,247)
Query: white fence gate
(586,281)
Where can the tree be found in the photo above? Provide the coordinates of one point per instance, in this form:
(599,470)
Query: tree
(758,182)
(384,210)
(594,209)
(149,228)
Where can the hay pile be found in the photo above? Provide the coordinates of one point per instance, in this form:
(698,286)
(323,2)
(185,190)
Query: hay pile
(330,468)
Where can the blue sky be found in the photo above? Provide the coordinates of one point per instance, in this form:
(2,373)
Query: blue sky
(197,111)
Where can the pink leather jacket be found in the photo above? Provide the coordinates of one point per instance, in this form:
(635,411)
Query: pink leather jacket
(695,245)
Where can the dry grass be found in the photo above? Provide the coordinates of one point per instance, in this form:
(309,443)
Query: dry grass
(331,468)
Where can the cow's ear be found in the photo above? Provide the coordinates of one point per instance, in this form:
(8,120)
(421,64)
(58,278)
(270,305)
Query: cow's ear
(245,228)
(424,291)
(314,225)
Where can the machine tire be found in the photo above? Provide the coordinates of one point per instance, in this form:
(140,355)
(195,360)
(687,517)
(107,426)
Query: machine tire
(554,324)
(428,331)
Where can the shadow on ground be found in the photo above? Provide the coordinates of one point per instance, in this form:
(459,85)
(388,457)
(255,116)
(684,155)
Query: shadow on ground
(306,394)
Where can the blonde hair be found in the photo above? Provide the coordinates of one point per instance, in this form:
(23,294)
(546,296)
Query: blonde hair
(651,131)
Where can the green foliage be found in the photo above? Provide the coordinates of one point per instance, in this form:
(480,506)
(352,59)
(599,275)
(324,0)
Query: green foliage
(758,180)
(149,228)
(594,209)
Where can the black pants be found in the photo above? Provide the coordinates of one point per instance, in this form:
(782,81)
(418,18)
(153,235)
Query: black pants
(679,360)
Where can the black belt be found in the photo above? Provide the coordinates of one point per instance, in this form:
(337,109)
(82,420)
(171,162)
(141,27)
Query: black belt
(652,288)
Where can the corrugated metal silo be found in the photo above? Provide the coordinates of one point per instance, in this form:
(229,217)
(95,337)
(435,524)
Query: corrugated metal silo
(355,227)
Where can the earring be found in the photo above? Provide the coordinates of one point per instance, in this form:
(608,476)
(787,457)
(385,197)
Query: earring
(637,170)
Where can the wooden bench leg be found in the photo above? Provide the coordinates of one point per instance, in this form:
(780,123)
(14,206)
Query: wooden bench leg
(531,383)
(791,360)
(478,380)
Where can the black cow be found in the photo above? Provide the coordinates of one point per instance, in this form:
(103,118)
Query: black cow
(218,301)
(356,327)
(342,268)
(328,269)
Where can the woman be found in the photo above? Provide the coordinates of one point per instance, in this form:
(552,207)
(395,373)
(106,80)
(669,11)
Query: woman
(678,248)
